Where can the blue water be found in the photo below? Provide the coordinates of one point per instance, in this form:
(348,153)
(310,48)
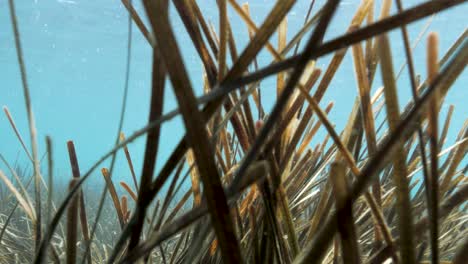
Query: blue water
(75,54)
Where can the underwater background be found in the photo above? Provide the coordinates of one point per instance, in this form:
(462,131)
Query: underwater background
(76,56)
(293,188)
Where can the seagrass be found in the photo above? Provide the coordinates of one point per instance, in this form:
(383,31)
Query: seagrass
(258,182)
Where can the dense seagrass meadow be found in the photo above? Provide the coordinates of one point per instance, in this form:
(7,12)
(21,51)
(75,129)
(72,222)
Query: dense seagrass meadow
(254,181)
